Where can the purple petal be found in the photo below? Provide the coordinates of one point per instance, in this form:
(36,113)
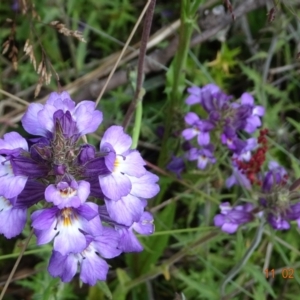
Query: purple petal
(87,210)
(145,186)
(133,164)
(87,119)
(189,133)
(12,220)
(45,117)
(12,186)
(258,110)
(115,186)
(44,218)
(30,121)
(125,211)
(219,220)
(203,138)
(13,140)
(115,136)
(61,101)
(191,118)
(247,99)
(129,242)
(62,266)
(93,268)
(106,244)
(69,240)
(145,225)
(230,227)
(202,162)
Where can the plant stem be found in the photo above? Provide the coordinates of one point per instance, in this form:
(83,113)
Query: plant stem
(178,77)
(141,62)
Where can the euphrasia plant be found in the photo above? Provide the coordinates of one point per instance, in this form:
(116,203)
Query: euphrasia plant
(228,126)
(94,199)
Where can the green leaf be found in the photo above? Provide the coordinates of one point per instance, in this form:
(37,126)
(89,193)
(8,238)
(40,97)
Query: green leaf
(99,291)
(121,290)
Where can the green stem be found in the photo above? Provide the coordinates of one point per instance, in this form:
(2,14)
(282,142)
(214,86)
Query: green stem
(177,85)
(138,120)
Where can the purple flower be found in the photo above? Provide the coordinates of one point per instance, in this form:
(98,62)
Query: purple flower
(66,194)
(176,165)
(275,175)
(231,140)
(198,94)
(75,120)
(203,156)
(128,240)
(11,184)
(293,213)
(121,162)
(66,226)
(278,221)
(195,95)
(130,208)
(245,153)
(258,111)
(12,220)
(232,217)
(200,128)
(92,266)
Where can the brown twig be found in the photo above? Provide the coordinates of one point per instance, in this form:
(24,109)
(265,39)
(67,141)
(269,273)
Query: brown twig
(141,63)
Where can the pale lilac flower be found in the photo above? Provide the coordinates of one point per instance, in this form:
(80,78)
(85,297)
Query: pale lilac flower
(231,140)
(258,111)
(66,194)
(274,176)
(278,221)
(130,208)
(121,162)
(81,118)
(65,226)
(203,156)
(200,128)
(12,220)
(92,266)
(245,153)
(11,184)
(195,95)
(232,217)
(128,240)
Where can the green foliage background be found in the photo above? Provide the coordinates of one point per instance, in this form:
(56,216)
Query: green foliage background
(186,257)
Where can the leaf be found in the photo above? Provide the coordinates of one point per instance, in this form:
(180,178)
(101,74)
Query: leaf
(99,291)
(142,262)
(121,289)
(294,123)
(252,75)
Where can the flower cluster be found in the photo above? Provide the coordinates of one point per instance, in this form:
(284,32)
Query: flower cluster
(225,122)
(279,204)
(95,198)
(226,119)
